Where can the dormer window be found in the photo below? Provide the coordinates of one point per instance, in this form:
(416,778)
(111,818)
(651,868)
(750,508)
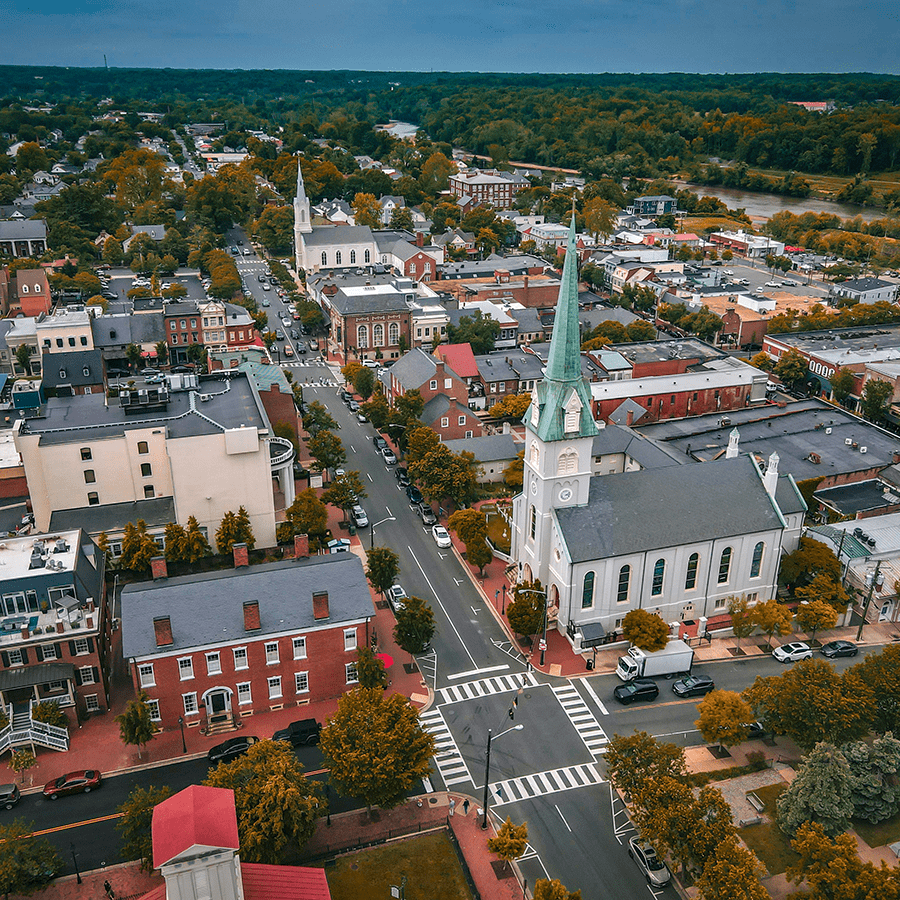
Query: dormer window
(62,373)
(86,372)
(24,288)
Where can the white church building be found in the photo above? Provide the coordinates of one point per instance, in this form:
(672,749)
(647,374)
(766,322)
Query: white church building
(678,540)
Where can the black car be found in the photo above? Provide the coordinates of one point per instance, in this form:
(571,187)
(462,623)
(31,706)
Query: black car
(639,689)
(379,442)
(693,686)
(303,731)
(294,334)
(414,494)
(231,749)
(402,476)
(755,730)
(835,649)
(9,795)
(273,279)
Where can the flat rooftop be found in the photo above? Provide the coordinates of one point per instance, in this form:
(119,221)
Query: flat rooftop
(868,337)
(59,549)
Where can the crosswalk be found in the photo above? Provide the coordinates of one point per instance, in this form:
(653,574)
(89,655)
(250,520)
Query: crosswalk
(582,719)
(484,687)
(447,757)
(553,781)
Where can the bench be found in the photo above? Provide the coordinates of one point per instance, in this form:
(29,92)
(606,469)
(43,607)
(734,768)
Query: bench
(755,802)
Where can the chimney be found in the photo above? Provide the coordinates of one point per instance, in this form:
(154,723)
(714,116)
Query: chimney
(241,556)
(770,479)
(629,418)
(896,457)
(251,616)
(320,605)
(158,568)
(420,239)
(162,627)
(24,632)
(301,546)
(60,628)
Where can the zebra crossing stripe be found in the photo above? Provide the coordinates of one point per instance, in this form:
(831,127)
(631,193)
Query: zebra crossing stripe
(447,757)
(540,784)
(484,687)
(583,720)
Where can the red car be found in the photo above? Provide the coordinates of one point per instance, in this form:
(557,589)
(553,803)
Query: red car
(82,782)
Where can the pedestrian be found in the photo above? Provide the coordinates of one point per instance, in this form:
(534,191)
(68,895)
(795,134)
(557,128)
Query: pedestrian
(465,807)
(109,891)
(452,805)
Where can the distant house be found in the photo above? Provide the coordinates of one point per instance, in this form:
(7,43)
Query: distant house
(156,232)
(493,453)
(25,292)
(658,205)
(23,237)
(451,419)
(865,290)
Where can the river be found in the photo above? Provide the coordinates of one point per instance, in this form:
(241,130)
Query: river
(764,206)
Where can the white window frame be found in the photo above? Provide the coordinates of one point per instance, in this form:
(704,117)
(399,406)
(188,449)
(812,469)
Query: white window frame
(461,420)
(448,383)
(445,422)
(185,665)
(301,682)
(351,673)
(50,651)
(351,641)
(146,679)
(213,663)
(272,655)
(191,708)
(274,686)
(92,704)
(432,385)
(82,647)
(299,644)
(154,709)
(240,655)
(15,656)
(244,693)
(86,673)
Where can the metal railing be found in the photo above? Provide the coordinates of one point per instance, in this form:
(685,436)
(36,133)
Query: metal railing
(23,729)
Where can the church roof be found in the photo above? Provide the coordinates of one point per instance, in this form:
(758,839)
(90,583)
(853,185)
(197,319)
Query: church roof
(330,235)
(680,505)
(198,816)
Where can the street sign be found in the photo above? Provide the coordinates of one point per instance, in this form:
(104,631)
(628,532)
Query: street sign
(542,645)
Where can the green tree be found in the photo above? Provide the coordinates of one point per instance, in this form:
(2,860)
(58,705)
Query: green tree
(874,785)
(345,490)
(176,542)
(277,805)
(112,252)
(275,228)
(526,608)
(763,361)
(23,357)
(219,201)
(382,568)
(842,384)
(772,618)
(880,673)
(375,747)
(646,630)
(811,558)
(306,515)
(376,409)
(724,718)
(470,525)
(792,368)
(317,418)
(134,354)
(370,670)
(196,545)
(27,863)
(633,761)
(876,396)
(401,218)
(477,330)
(327,451)
(820,793)
(135,724)
(816,614)
(364,382)
(510,841)
(21,761)
(135,824)
(732,873)
(479,554)
(553,889)
(742,622)
(367,210)
(415,626)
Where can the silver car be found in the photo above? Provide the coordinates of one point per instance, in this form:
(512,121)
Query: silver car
(655,870)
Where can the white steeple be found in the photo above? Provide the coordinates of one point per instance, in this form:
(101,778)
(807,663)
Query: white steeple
(733,449)
(302,223)
(770,479)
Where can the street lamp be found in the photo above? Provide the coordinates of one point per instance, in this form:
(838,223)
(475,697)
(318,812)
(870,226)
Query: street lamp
(75,861)
(487,768)
(181,725)
(373,527)
(544,595)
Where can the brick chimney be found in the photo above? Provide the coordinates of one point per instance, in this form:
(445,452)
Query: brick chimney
(60,628)
(241,556)
(896,457)
(320,605)
(24,632)
(420,239)
(629,418)
(301,546)
(251,616)
(158,568)
(162,627)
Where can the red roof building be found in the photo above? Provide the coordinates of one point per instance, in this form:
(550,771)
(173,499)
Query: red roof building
(459,358)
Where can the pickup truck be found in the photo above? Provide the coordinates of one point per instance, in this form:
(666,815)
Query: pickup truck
(303,731)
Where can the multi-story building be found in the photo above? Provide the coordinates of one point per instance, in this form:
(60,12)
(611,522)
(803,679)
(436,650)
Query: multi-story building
(865,290)
(182,329)
(24,237)
(488,187)
(25,292)
(659,205)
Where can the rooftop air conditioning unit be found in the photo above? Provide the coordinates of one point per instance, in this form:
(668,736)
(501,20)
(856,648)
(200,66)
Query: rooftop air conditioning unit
(848,441)
(863,449)
(205,397)
(827,431)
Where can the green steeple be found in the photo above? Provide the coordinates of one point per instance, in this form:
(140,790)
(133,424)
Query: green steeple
(564,389)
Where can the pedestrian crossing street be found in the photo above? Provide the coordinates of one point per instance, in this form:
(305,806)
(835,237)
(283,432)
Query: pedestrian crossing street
(582,719)
(553,781)
(447,757)
(484,687)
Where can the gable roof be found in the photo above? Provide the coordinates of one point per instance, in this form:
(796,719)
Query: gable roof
(414,368)
(460,358)
(198,816)
(78,368)
(488,448)
(263,882)
(441,404)
(345,235)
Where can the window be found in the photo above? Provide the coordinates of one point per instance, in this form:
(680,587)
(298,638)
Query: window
(92,704)
(568,462)
(349,639)
(86,453)
(362,336)
(367,256)
(190,704)
(145,675)
(301,682)
(756,563)
(393,331)
(378,335)
(244,695)
(724,565)
(152,704)
(337,262)
(659,574)
(690,580)
(469,434)
(272,653)
(445,422)
(493,387)
(71,342)
(93,499)
(448,383)
(350,671)
(59,342)
(432,385)
(149,492)
(587,591)
(624,583)
(533,525)
(299,648)
(324,258)
(146,470)
(461,420)
(185,668)
(720,603)
(89,476)
(240,658)
(50,651)
(352,257)
(82,647)
(274,687)
(86,674)
(15,657)
(213,664)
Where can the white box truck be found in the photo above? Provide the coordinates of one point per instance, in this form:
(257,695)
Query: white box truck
(674,658)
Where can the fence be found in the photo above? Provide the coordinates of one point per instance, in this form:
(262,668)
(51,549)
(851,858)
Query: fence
(462,860)
(350,843)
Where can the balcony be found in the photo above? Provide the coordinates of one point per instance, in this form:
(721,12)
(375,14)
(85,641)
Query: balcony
(57,621)
(281,452)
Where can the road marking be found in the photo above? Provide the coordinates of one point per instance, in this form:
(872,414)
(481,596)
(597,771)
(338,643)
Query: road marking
(370,479)
(447,757)
(458,582)
(353,448)
(474,610)
(594,697)
(78,824)
(563,818)
(443,608)
(388,510)
(477,672)
(582,719)
(553,781)
(485,687)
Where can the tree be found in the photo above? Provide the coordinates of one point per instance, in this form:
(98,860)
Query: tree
(470,525)
(344,491)
(306,515)
(763,361)
(724,718)
(401,218)
(880,673)
(138,548)
(382,568)
(875,398)
(367,210)
(23,357)
(772,618)
(792,368)
(317,418)
(477,330)
(811,558)
(275,228)
(742,623)
(135,824)
(135,724)
(27,863)
(376,409)
(196,546)
(419,443)
(327,451)
(176,542)
(370,671)
(350,370)
(842,384)
(640,331)
(820,792)
(829,592)
(415,626)
(479,554)
(646,630)
(638,759)
(21,761)
(816,614)
(514,473)
(526,608)
(510,841)
(874,785)
(375,747)
(513,406)
(553,889)
(133,354)
(364,382)
(600,217)
(732,873)
(277,805)
(436,172)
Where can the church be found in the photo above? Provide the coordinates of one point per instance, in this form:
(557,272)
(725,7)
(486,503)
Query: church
(678,541)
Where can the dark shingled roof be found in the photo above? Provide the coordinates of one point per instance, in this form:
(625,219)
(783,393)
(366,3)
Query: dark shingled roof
(113,517)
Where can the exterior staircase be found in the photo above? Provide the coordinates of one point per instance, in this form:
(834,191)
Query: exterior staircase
(220,723)
(23,730)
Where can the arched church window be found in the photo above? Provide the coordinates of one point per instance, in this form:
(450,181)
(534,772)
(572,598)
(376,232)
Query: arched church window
(624,584)
(337,257)
(535,455)
(352,257)
(568,462)
(690,580)
(659,575)
(756,562)
(362,337)
(378,335)
(724,565)
(367,257)
(587,591)
(324,258)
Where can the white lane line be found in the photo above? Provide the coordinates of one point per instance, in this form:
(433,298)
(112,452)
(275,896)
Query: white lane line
(474,610)
(388,510)
(563,818)
(594,697)
(433,591)
(369,477)
(476,671)
(353,448)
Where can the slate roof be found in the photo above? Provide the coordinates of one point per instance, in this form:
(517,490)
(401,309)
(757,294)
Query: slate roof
(440,405)
(23,230)
(215,613)
(113,517)
(373,300)
(620,414)
(69,368)
(157,232)
(682,505)
(862,285)
(325,235)
(850,499)
(121,330)
(647,454)
(489,448)
(528,319)
(414,368)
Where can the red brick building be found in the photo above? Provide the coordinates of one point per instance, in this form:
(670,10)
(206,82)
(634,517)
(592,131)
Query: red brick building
(25,292)
(450,419)
(182,329)
(217,647)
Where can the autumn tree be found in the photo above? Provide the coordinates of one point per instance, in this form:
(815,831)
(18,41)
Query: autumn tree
(415,626)
(638,759)
(823,589)
(732,872)
(772,618)
(27,862)
(526,608)
(196,546)
(367,210)
(135,824)
(234,529)
(135,724)
(370,671)
(600,217)
(820,792)
(138,547)
(345,490)
(382,568)
(277,805)
(21,761)
(176,542)
(376,409)
(874,785)
(815,614)
(514,473)
(436,172)
(646,630)
(880,673)
(470,525)
(375,747)
(513,406)
(842,382)
(327,451)
(306,515)
(792,368)
(724,718)
(510,841)
(811,558)
(479,554)
(742,622)
(553,889)
(876,396)
(763,361)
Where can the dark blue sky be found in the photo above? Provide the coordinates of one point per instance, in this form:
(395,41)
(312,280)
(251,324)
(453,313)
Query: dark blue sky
(503,35)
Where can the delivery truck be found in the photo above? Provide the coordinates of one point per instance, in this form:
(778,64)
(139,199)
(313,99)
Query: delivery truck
(674,659)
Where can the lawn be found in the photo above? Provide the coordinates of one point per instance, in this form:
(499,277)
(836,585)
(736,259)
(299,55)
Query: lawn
(879,835)
(428,861)
(769,794)
(498,530)
(771,845)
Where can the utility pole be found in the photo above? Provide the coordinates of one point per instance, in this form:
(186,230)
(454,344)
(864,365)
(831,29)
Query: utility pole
(865,611)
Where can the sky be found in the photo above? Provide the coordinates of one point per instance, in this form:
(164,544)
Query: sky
(462,35)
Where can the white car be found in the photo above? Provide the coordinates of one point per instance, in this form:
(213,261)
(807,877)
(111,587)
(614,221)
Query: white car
(396,596)
(772,284)
(792,652)
(360,519)
(441,536)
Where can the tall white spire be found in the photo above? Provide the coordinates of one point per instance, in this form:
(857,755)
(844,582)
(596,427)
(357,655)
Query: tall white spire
(733,448)
(302,224)
(770,479)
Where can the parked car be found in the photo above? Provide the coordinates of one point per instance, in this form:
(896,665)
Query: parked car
(265,301)
(835,649)
(288,350)
(414,494)
(396,596)
(427,514)
(361,418)
(303,732)
(655,870)
(638,689)
(360,519)
(279,334)
(402,476)
(441,536)
(260,278)
(266,287)
(232,748)
(755,730)
(294,334)
(389,458)
(353,406)
(273,280)
(81,782)
(380,444)
(792,652)
(9,795)
(693,686)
